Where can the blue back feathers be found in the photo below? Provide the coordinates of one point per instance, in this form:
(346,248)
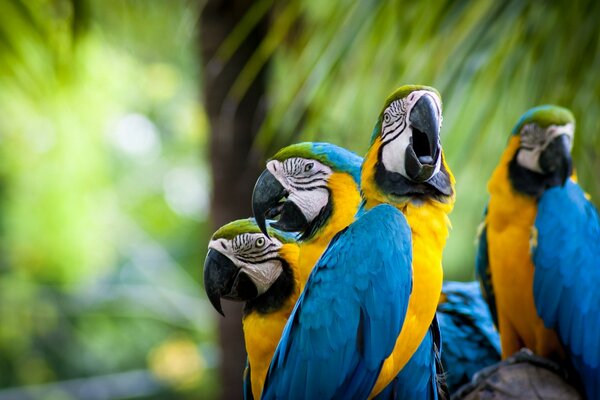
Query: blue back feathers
(471,342)
(567,277)
(348,318)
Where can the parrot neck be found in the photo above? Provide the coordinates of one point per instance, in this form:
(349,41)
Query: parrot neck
(370,192)
(345,199)
(263,329)
(429,226)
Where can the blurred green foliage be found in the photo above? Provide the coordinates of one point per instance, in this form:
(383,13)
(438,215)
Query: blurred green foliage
(104,200)
(103,180)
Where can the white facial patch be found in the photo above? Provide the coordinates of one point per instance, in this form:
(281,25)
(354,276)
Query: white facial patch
(255,254)
(535,139)
(305,181)
(396,131)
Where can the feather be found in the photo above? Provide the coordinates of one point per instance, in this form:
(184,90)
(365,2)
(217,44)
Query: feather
(347,301)
(471,341)
(567,276)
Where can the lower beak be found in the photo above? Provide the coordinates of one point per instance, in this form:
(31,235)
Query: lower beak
(223,279)
(291,218)
(556,158)
(423,152)
(266,203)
(265,197)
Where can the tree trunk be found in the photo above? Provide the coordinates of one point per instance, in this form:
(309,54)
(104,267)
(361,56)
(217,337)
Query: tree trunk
(234,124)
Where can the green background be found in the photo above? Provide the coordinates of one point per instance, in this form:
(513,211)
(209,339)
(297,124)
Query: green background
(104,178)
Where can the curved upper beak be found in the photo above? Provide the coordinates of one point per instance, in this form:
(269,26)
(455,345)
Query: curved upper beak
(423,153)
(556,158)
(268,192)
(223,279)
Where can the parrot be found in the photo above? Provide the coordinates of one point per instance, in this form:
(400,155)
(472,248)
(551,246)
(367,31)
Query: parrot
(233,271)
(471,342)
(541,235)
(321,182)
(244,264)
(346,335)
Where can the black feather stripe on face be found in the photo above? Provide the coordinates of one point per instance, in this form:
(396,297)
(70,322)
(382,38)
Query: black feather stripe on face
(279,292)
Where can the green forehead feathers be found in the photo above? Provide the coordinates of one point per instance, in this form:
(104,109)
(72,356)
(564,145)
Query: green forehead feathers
(240,226)
(302,150)
(404,91)
(545,116)
(335,157)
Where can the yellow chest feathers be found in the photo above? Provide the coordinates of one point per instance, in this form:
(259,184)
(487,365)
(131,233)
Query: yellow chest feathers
(346,198)
(263,331)
(509,219)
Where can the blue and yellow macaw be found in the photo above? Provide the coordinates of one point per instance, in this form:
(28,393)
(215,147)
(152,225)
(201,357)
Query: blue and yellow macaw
(541,233)
(347,335)
(243,264)
(471,341)
(320,184)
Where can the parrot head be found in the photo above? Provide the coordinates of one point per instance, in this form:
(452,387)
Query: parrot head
(405,160)
(243,264)
(543,139)
(297,186)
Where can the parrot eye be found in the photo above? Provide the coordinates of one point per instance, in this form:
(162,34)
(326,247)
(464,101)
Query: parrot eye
(260,242)
(386,117)
(308,167)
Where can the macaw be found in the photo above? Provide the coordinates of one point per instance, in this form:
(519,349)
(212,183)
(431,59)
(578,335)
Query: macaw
(243,264)
(347,335)
(320,182)
(542,238)
(471,341)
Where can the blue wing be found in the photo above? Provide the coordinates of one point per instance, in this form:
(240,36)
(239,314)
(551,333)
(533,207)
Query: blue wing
(350,314)
(471,342)
(482,270)
(567,277)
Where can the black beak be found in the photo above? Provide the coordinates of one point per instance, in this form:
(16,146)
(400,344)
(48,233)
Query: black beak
(423,152)
(291,219)
(265,198)
(222,279)
(266,203)
(556,159)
